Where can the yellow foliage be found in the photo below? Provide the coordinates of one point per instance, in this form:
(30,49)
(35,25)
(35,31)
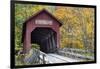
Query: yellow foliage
(89,28)
(71,43)
(76,20)
(60,13)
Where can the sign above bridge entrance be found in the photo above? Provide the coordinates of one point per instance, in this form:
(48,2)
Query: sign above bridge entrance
(43,22)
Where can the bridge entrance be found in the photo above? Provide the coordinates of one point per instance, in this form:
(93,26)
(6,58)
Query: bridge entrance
(46,38)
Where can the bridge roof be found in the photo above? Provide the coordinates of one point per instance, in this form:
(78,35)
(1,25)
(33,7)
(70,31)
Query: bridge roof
(46,12)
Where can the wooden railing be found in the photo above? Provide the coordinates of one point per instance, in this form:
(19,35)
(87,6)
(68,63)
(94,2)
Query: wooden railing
(76,54)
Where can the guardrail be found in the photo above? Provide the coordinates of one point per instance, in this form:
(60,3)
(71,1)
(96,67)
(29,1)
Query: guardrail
(43,58)
(35,56)
(77,50)
(76,54)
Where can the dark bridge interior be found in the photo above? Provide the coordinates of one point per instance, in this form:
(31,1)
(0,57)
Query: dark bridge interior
(46,38)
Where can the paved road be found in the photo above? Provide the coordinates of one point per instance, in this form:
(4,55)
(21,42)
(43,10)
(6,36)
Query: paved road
(54,58)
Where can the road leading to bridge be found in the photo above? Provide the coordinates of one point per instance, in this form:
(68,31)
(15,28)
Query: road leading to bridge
(54,58)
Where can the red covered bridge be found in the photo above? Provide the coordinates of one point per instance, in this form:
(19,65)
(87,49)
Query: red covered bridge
(43,29)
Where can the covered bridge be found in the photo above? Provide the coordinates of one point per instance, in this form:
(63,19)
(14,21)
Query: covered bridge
(43,29)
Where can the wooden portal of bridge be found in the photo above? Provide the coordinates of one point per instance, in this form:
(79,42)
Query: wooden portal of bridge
(42,28)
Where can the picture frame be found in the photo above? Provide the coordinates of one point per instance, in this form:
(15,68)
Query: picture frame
(22,20)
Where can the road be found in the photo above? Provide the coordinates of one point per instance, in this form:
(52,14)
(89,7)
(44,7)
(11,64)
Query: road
(54,58)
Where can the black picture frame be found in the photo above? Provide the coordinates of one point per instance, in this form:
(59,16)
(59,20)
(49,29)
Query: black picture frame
(12,31)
